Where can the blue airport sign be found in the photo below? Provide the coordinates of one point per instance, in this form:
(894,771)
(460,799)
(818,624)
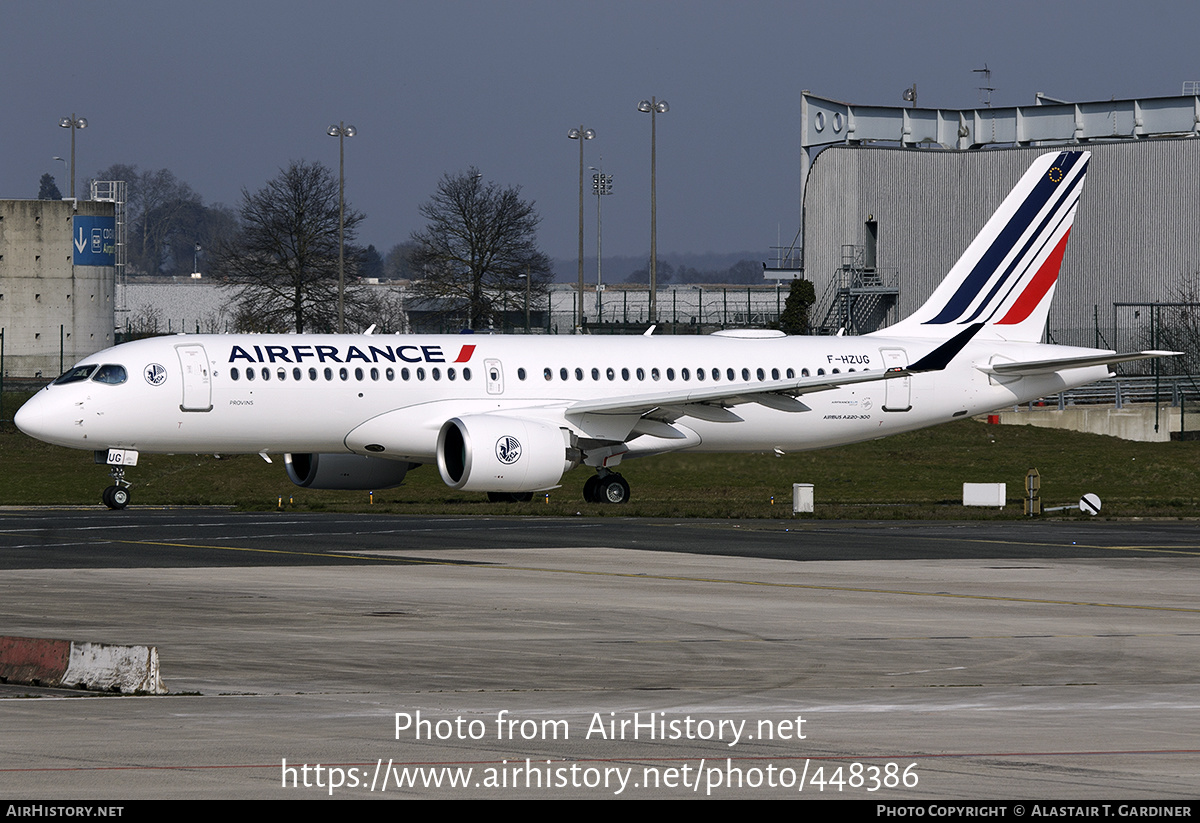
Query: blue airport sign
(95,240)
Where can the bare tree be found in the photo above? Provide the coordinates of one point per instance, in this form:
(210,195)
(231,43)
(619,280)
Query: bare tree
(1176,327)
(474,256)
(166,219)
(283,263)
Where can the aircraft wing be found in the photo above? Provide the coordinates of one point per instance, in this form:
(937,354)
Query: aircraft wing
(777,394)
(774,393)
(1033,367)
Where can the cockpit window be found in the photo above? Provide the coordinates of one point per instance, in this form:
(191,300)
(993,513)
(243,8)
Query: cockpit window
(110,373)
(75,374)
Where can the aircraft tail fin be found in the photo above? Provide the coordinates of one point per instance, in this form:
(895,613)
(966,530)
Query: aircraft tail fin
(1005,279)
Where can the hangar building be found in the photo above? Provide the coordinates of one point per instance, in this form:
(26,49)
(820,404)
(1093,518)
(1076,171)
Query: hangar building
(892,196)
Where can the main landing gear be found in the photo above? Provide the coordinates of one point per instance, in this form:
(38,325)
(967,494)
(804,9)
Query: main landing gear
(606,487)
(116,496)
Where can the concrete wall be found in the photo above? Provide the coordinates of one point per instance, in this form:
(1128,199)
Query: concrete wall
(1133,422)
(52,312)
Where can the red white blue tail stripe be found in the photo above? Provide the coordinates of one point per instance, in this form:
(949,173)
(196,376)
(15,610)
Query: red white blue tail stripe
(1005,279)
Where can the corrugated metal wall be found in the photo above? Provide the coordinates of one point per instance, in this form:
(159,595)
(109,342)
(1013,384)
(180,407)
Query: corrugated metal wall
(1136,235)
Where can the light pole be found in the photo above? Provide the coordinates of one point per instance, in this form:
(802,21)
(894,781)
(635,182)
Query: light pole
(341,131)
(601,185)
(66,168)
(655,107)
(74,124)
(580,134)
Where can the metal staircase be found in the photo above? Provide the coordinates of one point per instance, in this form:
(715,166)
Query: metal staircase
(858,298)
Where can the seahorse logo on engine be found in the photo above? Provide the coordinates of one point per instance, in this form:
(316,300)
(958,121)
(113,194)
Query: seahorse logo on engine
(508,450)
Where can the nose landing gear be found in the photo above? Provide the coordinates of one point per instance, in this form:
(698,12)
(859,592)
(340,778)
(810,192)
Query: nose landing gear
(116,496)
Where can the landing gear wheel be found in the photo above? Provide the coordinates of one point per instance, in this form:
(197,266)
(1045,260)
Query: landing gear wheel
(589,489)
(613,489)
(115,497)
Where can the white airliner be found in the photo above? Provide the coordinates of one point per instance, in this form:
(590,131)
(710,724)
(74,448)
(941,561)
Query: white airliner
(509,415)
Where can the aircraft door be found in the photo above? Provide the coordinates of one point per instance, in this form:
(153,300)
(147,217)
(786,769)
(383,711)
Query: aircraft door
(897,391)
(494,373)
(197,382)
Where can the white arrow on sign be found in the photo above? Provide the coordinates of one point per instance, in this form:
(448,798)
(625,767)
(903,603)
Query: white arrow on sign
(81,242)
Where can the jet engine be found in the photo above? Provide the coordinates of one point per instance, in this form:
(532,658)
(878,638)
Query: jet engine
(494,453)
(344,471)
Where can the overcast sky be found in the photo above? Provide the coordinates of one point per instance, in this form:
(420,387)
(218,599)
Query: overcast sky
(226,93)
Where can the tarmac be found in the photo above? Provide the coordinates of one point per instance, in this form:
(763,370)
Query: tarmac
(362,656)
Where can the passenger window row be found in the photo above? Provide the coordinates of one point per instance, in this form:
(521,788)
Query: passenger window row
(345,373)
(758,375)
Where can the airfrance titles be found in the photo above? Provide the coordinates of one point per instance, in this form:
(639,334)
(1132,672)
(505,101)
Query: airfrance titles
(347,354)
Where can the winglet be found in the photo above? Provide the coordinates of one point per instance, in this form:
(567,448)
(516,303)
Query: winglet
(940,357)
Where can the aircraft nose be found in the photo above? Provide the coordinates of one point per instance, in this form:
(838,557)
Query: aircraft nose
(38,419)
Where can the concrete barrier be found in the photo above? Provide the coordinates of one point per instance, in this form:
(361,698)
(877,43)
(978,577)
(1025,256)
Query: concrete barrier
(1133,422)
(96,666)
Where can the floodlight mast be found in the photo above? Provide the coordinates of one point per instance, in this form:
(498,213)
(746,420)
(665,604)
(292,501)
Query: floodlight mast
(653,106)
(341,131)
(581,134)
(74,124)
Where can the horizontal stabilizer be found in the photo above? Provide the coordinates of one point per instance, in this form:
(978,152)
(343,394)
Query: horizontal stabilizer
(1032,367)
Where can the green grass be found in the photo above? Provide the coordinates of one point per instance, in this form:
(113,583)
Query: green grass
(909,476)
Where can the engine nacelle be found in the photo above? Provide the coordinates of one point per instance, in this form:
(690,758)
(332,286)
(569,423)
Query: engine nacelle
(493,453)
(344,471)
